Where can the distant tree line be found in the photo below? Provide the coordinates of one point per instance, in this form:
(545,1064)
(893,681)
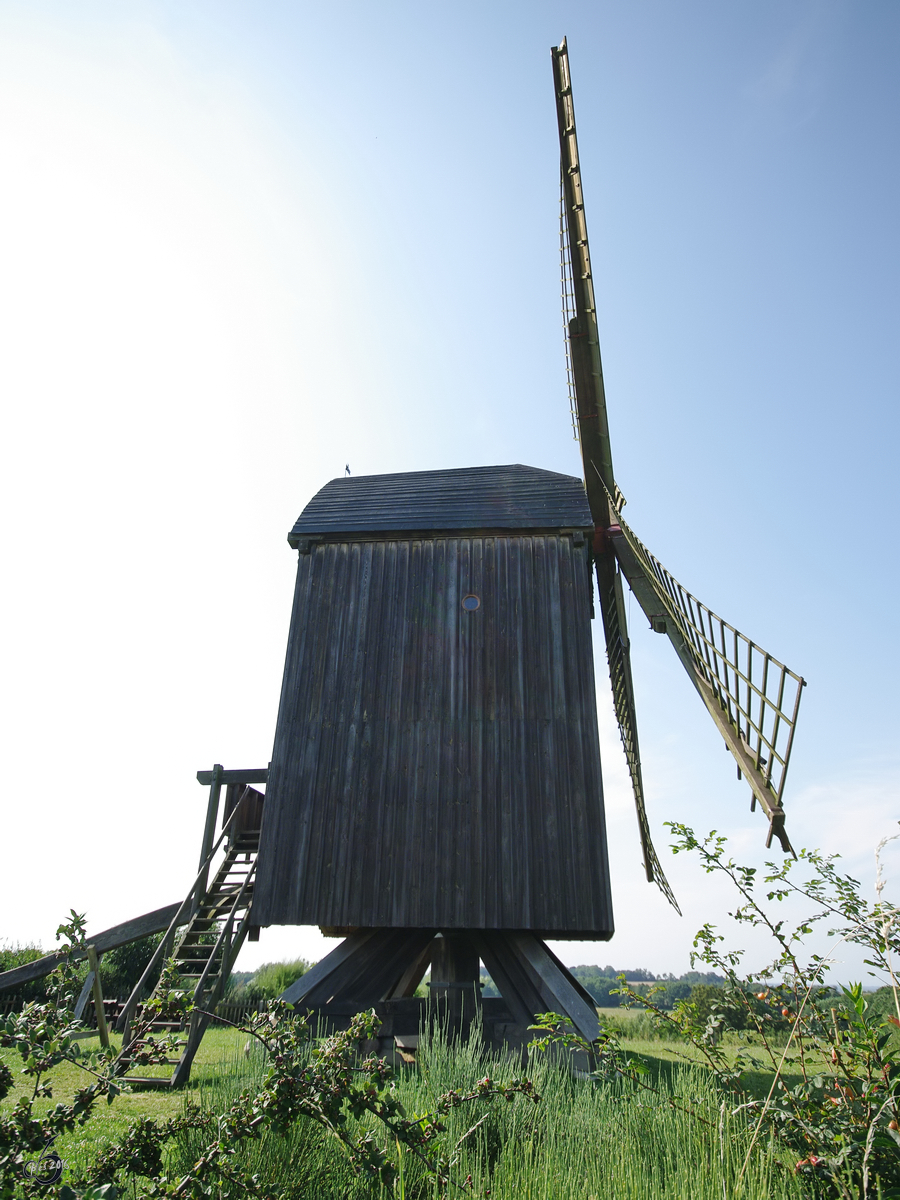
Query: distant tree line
(120,969)
(603,983)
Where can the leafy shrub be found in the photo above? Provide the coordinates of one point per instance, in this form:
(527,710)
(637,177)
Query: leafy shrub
(882,1004)
(712,1003)
(842,1119)
(633,1026)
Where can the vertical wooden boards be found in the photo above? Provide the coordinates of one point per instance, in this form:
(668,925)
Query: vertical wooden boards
(437,766)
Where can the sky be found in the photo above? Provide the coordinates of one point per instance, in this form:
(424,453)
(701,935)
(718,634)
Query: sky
(243,245)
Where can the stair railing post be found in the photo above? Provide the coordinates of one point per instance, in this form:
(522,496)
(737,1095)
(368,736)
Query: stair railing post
(160,954)
(209,832)
(94,962)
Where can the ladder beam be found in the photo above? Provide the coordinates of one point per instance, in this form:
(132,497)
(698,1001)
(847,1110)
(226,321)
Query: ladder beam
(213,961)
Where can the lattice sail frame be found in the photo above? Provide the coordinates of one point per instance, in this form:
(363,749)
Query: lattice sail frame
(753,697)
(567,290)
(618,653)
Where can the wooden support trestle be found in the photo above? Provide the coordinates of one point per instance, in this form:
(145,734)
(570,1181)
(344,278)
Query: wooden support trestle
(381,968)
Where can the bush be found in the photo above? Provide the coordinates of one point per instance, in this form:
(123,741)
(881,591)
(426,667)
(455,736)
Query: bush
(842,1118)
(268,981)
(882,1004)
(637,1027)
(712,1003)
(120,969)
(17,956)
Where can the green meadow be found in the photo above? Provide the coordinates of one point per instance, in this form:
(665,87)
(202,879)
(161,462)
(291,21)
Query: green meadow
(585,1138)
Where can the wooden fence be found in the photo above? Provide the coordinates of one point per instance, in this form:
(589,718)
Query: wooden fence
(238,1013)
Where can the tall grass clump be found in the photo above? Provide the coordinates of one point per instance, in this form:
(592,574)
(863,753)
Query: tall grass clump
(585,1138)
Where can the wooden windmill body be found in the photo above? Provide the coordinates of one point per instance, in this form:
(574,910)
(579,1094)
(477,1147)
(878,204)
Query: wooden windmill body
(435,794)
(435,785)
(436,760)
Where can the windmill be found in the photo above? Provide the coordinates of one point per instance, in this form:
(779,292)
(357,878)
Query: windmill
(434,796)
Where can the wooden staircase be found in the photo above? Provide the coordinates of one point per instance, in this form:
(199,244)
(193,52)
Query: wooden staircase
(204,953)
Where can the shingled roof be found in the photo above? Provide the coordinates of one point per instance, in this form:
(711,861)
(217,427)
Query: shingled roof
(509,497)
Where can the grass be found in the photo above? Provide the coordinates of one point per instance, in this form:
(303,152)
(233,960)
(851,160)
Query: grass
(662,1052)
(219,1053)
(583,1140)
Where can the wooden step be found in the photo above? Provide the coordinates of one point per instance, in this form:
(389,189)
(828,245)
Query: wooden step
(151,1081)
(168,1062)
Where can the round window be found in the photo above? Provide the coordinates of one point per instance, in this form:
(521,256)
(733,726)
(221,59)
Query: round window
(470,603)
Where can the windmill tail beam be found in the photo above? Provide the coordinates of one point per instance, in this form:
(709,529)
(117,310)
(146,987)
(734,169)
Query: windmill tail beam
(118,935)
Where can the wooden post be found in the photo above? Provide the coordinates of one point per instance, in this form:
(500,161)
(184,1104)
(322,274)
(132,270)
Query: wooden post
(209,833)
(81,1002)
(94,963)
(455,980)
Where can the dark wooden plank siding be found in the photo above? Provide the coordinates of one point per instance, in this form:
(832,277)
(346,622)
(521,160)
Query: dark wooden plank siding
(434,767)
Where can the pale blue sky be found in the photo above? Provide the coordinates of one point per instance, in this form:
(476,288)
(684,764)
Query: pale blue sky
(242,244)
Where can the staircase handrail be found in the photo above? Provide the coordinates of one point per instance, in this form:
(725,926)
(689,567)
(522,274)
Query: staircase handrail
(124,1021)
(226,929)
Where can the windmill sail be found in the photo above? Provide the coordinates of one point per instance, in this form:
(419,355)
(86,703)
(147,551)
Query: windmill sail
(612,608)
(752,697)
(586,375)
